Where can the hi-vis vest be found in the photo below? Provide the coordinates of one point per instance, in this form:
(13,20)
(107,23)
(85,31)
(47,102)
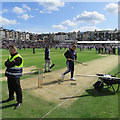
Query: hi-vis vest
(15,71)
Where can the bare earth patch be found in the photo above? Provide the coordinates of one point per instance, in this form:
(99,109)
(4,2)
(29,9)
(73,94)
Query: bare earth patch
(26,70)
(103,55)
(2,71)
(53,90)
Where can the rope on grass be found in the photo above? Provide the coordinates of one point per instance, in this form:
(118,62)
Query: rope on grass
(59,105)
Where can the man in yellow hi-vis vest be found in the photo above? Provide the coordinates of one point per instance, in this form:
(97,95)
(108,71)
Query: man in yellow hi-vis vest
(13,72)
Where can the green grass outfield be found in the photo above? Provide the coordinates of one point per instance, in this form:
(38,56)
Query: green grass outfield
(90,105)
(57,57)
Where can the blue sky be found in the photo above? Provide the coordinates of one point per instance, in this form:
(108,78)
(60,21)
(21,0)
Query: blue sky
(59,16)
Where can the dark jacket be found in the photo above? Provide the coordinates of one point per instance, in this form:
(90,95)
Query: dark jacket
(47,54)
(71,54)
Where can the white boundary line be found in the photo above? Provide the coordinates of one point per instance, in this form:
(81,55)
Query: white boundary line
(59,105)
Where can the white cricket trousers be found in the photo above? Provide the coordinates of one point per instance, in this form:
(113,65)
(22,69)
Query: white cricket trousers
(49,63)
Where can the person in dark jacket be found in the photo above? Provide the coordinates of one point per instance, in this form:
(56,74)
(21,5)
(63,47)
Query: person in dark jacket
(33,49)
(13,72)
(118,50)
(47,58)
(114,50)
(70,55)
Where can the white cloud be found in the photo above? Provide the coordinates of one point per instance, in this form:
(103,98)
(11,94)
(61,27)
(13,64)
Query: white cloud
(19,30)
(109,29)
(26,7)
(72,7)
(36,9)
(111,8)
(90,17)
(4,11)
(86,28)
(50,5)
(31,16)
(69,23)
(26,16)
(44,11)
(36,30)
(60,27)
(18,10)
(64,25)
(5,21)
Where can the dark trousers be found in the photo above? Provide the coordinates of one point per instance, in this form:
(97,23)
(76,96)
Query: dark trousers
(70,66)
(14,86)
(33,50)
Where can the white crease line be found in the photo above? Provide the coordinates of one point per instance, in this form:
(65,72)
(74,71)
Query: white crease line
(53,91)
(59,105)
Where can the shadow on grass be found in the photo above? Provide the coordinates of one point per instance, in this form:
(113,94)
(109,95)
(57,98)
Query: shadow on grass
(50,83)
(31,73)
(55,82)
(46,84)
(93,93)
(7,106)
(29,89)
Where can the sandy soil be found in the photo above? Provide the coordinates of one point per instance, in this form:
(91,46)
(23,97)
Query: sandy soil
(55,91)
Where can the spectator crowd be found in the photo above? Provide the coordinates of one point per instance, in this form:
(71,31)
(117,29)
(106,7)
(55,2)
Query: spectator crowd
(100,49)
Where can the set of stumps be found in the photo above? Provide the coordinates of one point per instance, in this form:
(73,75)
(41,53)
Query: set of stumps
(41,78)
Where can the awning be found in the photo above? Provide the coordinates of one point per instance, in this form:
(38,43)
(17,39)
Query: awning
(98,42)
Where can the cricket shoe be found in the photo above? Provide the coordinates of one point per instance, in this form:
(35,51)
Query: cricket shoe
(49,70)
(73,79)
(17,105)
